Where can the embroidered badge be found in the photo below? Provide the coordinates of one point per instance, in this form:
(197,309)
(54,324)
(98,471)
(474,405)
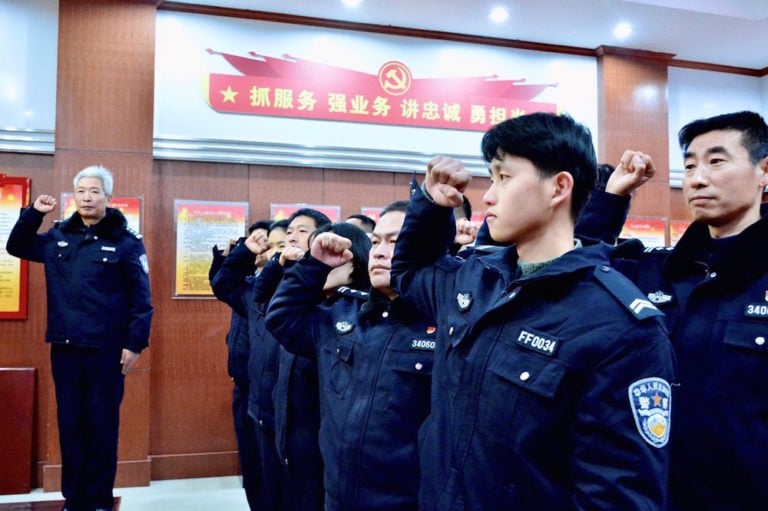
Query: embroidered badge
(537,341)
(343,327)
(464,300)
(756,310)
(108,249)
(651,403)
(423,344)
(659,297)
(144,263)
(62,244)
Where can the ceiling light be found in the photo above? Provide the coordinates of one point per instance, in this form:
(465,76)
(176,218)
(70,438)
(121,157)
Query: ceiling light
(499,14)
(622,30)
(351,3)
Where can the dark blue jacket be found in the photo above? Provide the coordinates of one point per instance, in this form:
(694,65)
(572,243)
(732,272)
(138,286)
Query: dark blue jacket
(550,391)
(97,279)
(236,285)
(374,358)
(238,344)
(294,391)
(717,313)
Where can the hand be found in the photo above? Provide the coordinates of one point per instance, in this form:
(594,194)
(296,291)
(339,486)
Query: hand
(257,242)
(466,232)
(446,180)
(45,204)
(290,254)
(331,249)
(127,360)
(634,170)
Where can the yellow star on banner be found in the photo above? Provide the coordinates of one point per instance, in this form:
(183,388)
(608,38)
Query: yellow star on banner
(229,94)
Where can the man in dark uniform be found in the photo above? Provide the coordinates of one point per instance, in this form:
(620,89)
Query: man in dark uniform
(99,313)
(713,289)
(374,357)
(298,486)
(551,383)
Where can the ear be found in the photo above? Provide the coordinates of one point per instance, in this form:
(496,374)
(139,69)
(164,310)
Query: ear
(763,166)
(562,188)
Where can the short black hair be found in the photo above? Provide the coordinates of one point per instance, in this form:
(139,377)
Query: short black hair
(398,205)
(319,217)
(279,224)
(553,143)
(365,219)
(604,171)
(361,247)
(260,224)
(754,132)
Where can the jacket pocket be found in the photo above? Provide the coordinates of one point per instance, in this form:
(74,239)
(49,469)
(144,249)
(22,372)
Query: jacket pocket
(517,395)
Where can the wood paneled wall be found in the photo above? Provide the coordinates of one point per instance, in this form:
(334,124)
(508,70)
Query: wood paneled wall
(176,417)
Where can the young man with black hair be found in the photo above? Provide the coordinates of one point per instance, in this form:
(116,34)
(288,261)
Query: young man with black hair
(551,384)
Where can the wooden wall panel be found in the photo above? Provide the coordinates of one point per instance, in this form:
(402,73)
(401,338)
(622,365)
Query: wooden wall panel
(191,414)
(106,61)
(632,114)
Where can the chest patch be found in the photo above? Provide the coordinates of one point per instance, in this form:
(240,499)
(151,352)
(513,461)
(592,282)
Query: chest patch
(343,327)
(651,403)
(423,344)
(105,248)
(756,310)
(538,342)
(659,297)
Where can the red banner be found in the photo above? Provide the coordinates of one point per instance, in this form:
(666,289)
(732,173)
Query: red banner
(290,87)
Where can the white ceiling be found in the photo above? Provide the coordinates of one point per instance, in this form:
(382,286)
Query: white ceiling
(723,32)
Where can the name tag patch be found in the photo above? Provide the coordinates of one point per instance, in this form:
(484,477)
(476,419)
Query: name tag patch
(423,344)
(108,249)
(538,342)
(756,310)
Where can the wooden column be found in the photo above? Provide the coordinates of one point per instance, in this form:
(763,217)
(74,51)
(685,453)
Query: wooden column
(104,108)
(632,114)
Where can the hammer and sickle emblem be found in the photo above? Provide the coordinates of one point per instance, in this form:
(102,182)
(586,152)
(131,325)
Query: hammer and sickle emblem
(395,78)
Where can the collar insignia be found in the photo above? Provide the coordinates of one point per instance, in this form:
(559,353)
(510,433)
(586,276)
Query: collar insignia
(343,327)
(660,297)
(464,300)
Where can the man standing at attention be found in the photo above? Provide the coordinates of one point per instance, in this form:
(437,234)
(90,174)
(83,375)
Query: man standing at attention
(713,289)
(99,313)
(551,378)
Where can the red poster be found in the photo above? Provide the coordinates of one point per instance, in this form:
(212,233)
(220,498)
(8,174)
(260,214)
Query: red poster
(14,272)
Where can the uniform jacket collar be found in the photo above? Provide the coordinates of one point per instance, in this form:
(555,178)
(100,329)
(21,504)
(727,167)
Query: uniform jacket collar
(574,261)
(110,226)
(742,261)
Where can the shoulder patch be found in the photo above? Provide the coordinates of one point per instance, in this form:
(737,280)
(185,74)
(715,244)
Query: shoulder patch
(144,263)
(352,293)
(651,402)
(626,293)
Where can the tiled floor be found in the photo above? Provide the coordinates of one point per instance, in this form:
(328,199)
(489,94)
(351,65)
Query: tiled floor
(208,494)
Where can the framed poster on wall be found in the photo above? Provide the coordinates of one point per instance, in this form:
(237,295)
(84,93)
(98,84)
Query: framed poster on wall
(14,272)
(199,226)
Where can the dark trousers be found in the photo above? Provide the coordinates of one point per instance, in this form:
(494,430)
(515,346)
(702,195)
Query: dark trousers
(247,447)
(89,389)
